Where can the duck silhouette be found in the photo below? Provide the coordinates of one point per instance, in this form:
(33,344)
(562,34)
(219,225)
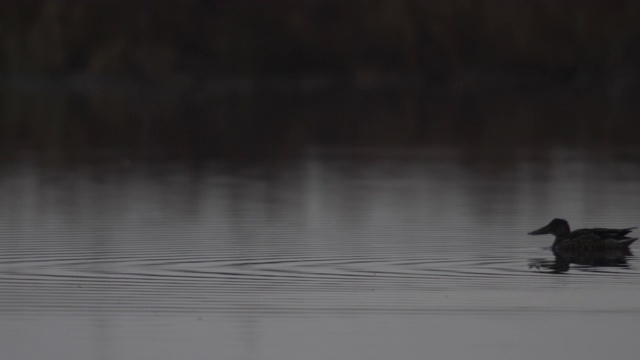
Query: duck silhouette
(590,240)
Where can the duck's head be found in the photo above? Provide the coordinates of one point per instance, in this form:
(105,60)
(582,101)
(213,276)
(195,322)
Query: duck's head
(557,227)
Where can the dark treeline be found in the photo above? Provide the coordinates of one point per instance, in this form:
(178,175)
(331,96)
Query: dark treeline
(274,126)
(184,40)
(189,76)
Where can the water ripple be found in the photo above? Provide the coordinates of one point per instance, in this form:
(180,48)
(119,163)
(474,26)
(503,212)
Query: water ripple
(162,280)
(319,234)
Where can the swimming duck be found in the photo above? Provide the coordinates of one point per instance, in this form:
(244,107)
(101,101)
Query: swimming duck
(585,239)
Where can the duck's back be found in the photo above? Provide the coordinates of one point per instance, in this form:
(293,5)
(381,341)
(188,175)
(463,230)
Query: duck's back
(616,234)
(595,239)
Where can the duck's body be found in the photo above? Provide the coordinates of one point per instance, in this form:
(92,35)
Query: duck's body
(595,239)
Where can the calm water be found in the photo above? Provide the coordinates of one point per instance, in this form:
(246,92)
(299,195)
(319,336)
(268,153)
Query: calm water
(335,255)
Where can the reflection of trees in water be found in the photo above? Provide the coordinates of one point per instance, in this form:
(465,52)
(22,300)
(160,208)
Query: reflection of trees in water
(563,260)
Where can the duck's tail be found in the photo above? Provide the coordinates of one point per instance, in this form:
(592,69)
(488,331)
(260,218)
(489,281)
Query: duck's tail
(626,242)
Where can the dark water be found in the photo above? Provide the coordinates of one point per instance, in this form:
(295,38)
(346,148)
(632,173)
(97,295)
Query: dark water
(334,255)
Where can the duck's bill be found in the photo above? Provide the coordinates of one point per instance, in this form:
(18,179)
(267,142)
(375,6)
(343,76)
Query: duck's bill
(541,231)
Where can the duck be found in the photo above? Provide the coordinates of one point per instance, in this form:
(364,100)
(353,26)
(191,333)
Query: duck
(590,240)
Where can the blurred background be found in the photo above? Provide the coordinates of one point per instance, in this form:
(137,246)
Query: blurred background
(245,79)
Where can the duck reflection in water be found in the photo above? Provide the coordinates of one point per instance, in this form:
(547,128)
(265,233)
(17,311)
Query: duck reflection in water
(595,247)
(564,258)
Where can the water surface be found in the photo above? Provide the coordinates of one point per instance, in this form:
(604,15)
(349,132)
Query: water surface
(337,254)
